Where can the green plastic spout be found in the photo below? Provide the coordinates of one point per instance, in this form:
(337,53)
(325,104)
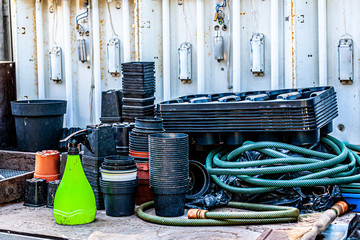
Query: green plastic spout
(74,202)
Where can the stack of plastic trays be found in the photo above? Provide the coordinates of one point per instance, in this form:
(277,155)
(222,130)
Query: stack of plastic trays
(298,116)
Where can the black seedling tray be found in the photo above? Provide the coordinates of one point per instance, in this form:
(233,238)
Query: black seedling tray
(137,65)
(137,95)
(139,101)
(130,75)
(226,106)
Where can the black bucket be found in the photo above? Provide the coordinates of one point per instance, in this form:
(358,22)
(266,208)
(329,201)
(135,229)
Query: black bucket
(119,197)
(38,123)
(169,202)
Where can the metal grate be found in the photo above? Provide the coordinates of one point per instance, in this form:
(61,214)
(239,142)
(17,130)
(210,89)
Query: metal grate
(8,173)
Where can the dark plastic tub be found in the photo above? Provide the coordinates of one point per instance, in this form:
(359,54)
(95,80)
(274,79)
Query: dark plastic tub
(119,198)
(38,123)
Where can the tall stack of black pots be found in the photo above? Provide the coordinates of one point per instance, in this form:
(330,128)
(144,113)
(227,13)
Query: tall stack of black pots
(169,172)
(138,84)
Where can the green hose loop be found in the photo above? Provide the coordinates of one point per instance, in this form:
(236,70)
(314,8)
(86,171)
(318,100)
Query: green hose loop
(269,214)
(324,168)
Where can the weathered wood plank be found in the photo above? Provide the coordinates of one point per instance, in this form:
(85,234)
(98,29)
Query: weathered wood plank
(23,161)
(13,188)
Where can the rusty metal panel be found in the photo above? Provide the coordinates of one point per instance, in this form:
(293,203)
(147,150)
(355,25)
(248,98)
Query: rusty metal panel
(7,94)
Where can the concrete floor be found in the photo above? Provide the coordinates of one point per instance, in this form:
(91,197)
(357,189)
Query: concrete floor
(16,217)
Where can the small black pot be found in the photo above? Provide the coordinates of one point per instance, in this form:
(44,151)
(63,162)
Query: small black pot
(119,201)
(35,192)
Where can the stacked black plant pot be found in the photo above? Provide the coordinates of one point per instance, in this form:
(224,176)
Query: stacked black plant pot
(138,84)
(111,104)
(119,184)
(138,139)
(121,136)
(169,172)
(102,144)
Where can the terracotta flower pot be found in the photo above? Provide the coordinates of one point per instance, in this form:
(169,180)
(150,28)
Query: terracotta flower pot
(47,165)
(143,170)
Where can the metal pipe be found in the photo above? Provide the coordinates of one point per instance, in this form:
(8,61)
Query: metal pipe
(275,58)
(322,43)
(293,42)
(236,46)
(200,46)
(96,67)
(68,65)
(126,31)
(166,49)
(40,49)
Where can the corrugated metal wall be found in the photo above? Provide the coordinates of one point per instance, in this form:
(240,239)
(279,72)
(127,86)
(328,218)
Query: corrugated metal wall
(298,48)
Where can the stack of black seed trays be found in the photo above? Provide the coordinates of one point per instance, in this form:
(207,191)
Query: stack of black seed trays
(102,144)
(298,116)
(138,84)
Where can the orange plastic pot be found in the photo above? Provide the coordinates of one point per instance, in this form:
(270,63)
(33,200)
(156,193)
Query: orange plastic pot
(143,170)
(143,193)
(49,178)
(139,154)
(47,165)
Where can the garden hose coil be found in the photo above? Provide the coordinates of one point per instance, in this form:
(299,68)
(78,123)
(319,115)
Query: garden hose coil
(264,214)
(325,168)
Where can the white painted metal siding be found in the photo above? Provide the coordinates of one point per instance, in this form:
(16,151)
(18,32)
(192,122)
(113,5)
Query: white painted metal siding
(298,45)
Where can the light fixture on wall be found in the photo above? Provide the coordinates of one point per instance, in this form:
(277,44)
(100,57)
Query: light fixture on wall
(82,50)
(346,61)
(185,62)
(219,48)
(56,64)
(257,54)
(113,57)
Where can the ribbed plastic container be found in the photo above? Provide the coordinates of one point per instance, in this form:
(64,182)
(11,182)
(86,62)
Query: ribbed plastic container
(169,172)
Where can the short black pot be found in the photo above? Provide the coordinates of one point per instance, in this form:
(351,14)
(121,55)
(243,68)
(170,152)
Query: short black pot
(120,200)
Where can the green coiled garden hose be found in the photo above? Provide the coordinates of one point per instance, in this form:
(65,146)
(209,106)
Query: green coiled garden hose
(266,214)
(326,169)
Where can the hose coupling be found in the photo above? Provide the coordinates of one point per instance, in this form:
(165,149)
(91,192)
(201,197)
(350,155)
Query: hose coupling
(197,214)
(340,207)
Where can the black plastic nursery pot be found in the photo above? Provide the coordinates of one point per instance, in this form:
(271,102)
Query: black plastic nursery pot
(51,191)
(119,197)
(169,202)
(38,123)
(199,180)
(35,192)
